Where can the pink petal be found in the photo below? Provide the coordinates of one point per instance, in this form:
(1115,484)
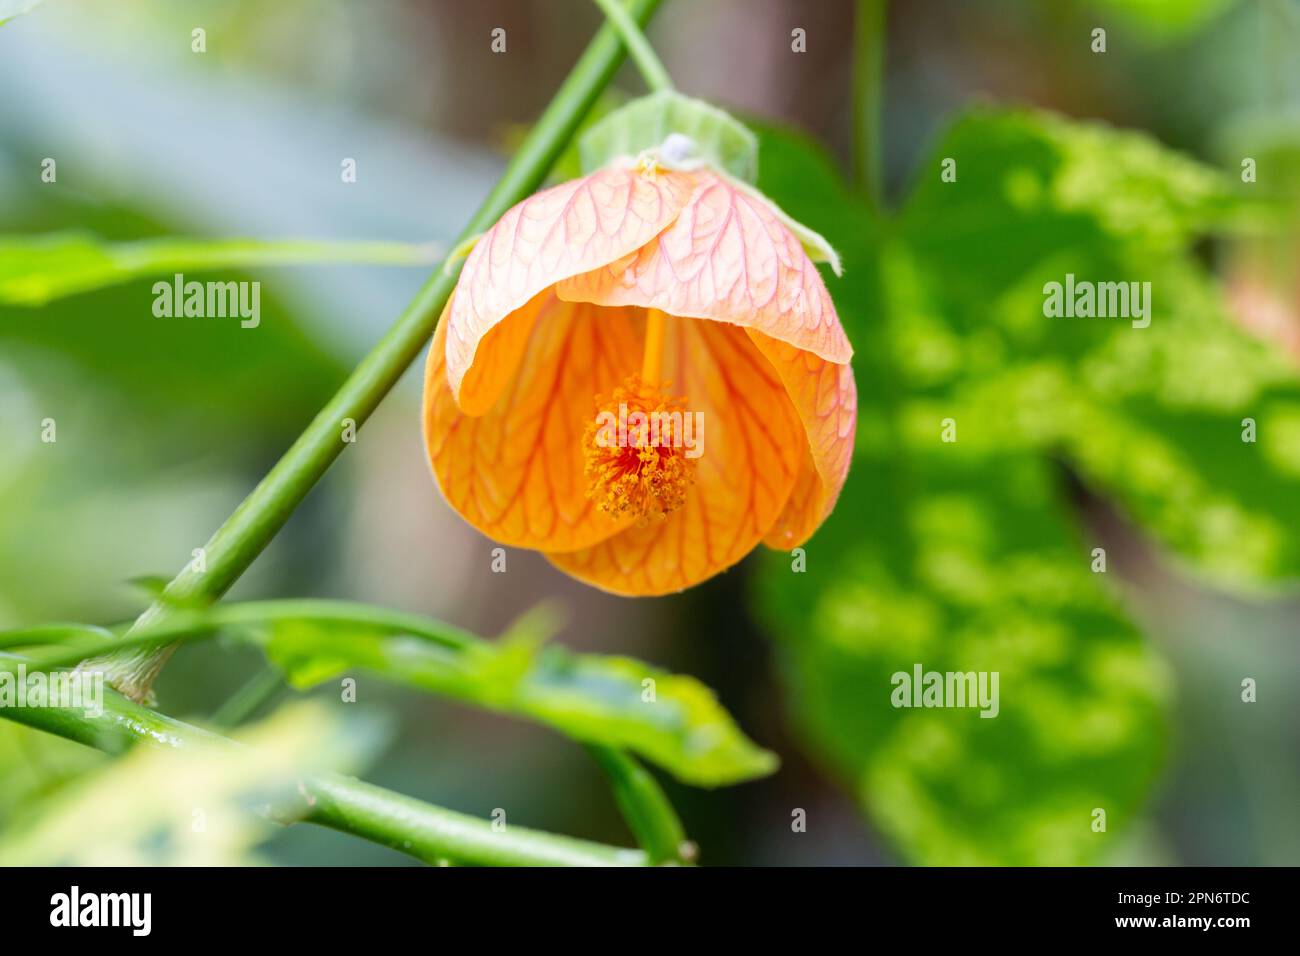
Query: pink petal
(727,257)
(559,232)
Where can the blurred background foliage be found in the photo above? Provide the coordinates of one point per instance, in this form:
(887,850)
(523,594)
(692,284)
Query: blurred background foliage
(1119,690)
(192,807)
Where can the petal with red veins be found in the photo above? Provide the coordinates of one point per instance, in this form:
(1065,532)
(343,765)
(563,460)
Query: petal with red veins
(515,471)
(569,229)
(727,257)
(826,398)
(753,441)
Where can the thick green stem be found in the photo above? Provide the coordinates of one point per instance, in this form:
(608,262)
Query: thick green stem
(424,831)
(868,96)
(642,53)
(263,513)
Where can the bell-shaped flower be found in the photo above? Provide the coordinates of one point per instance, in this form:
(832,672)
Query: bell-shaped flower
(641,375)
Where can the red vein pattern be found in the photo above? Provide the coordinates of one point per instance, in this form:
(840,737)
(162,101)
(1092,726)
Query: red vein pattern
(826,399)
(752,447)
(726,257)
(516,472)
(549,313)
(557,233)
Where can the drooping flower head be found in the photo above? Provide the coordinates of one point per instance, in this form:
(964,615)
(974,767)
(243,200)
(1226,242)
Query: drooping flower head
(640,374)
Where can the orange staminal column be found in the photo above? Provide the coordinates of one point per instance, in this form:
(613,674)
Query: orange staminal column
(653,359)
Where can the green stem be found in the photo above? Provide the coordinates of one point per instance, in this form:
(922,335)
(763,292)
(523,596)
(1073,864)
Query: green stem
(645,807)
(424,831)
(244,702)
(263,513)
(868,96)
(642,53)
(642,801)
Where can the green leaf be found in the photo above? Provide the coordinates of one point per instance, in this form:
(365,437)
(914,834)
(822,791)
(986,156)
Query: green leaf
(998,583)
(1159,428)
(36,269)
(1039,182)
(1153,417)
(669,719)
(1165,18)
(968,556)
(617,702)
(716,138)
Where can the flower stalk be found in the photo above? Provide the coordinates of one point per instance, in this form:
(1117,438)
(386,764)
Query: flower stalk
(638,47)
(868,95)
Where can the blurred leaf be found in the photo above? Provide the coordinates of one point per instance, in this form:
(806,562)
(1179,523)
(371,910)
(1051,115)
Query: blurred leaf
(151,462)
(205,389)
(187,807)
(36,269)
(594,699)
(1165,18)
(1164,439)
(14,8)
(998,582)
(1271,137)
(34,766)
(966,556)
(149,585)
(1039,182)
(1152,417)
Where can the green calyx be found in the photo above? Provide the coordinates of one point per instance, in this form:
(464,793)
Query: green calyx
(683,132)
(686,133)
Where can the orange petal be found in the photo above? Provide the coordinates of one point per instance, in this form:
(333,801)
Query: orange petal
(559,232)
(516,471)
(727,257)
(826,398)
(499,355)
(752,446)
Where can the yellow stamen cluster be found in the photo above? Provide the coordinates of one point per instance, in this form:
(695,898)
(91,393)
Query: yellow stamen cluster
(635,456)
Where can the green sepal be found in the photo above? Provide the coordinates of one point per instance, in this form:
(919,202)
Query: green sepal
(702,135)
(716,138)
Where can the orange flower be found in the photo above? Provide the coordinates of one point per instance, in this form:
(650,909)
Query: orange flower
(641,375)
